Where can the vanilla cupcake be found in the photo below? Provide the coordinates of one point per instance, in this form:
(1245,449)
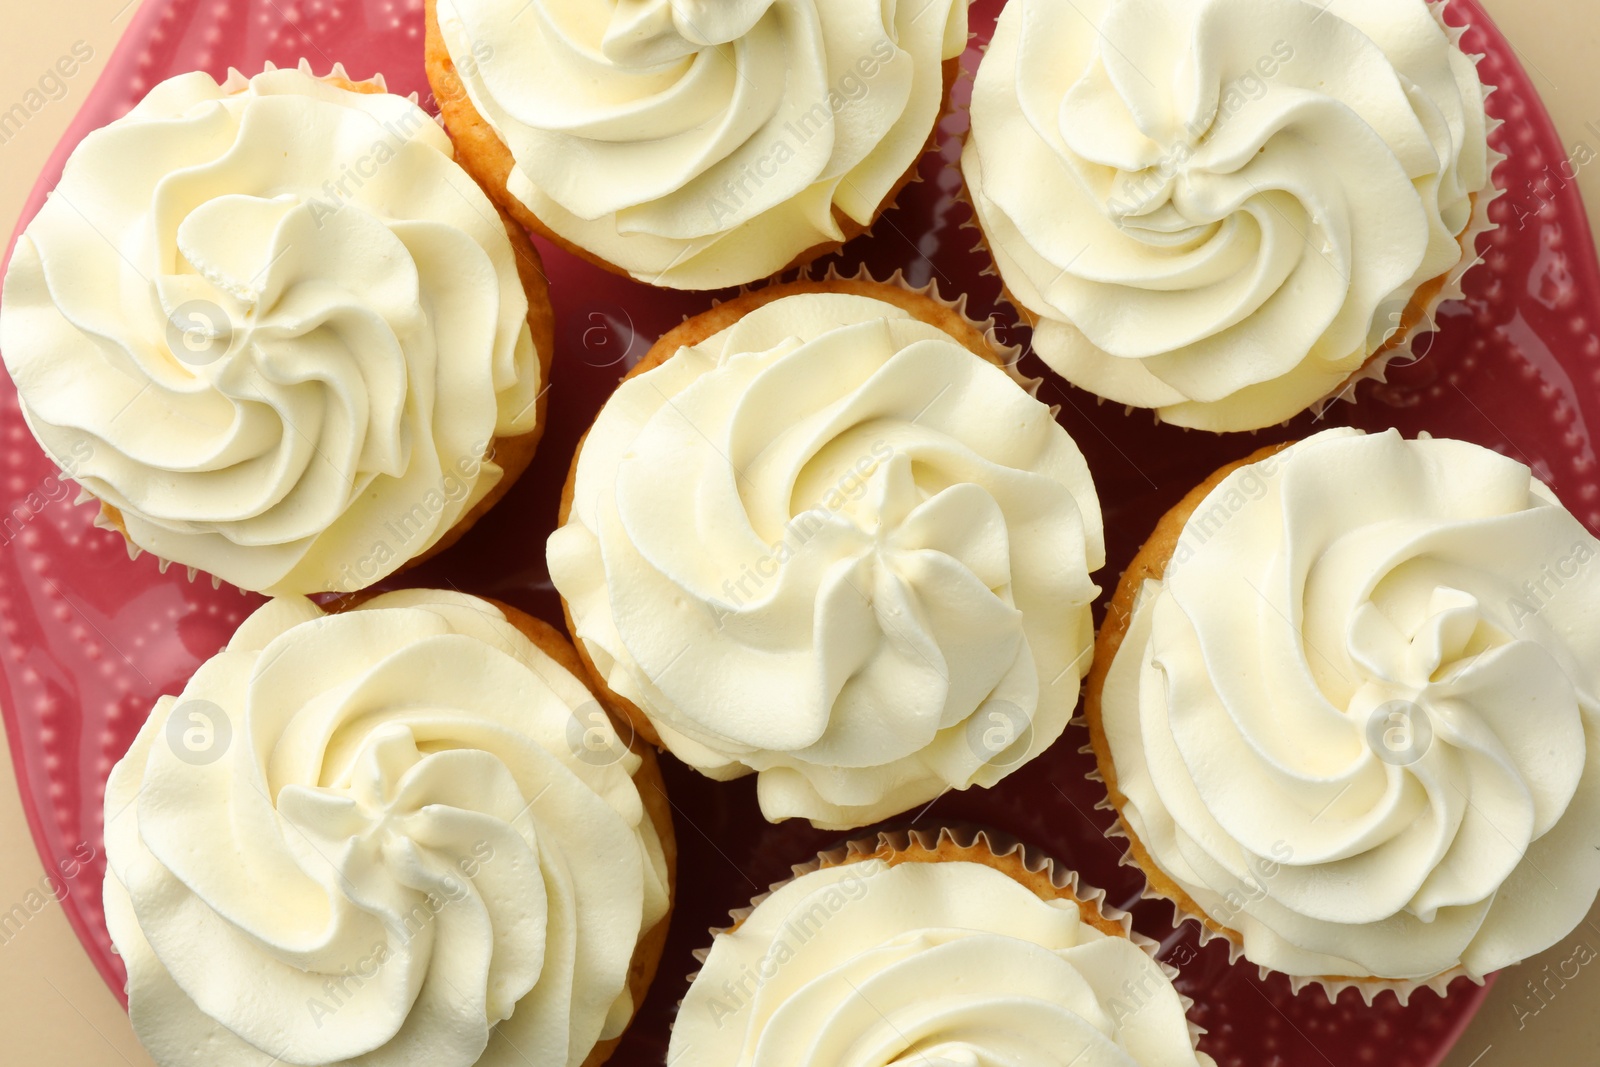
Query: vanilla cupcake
(694,144)
(927,951)
(1227,210)
(820,535)
(1346,703)
(278,332)
(386,837)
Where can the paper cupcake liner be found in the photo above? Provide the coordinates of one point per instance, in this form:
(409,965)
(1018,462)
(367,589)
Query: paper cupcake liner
(1159,884)
(1332,986)
(237,80)
(1376,368)
(1008,356)
(993,843)
(338,73)
(849,228)
(103,521)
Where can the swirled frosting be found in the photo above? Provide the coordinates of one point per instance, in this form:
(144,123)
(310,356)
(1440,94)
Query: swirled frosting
(944,964)
(700,144)
(1221,208)
(831,545)
(1356,722)
(366,838)
(284,325)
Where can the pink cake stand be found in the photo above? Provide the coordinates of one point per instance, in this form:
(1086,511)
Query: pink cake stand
(91,639)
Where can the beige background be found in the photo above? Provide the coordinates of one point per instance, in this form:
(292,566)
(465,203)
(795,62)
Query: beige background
(54,1009)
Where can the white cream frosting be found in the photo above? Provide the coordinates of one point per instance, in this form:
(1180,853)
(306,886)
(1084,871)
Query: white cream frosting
(366,838)
(284,323)
(1357,720)
(698,144)
(831,545)
(949,964)
(1220,208)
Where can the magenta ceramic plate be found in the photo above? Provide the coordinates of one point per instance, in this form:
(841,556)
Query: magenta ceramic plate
(91,639)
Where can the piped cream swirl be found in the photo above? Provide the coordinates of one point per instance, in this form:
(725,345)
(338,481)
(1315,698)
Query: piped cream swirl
(702,144)
(1358,721)
(368,838)
(284,325)
(832,546)
(950,964)
(1221,208)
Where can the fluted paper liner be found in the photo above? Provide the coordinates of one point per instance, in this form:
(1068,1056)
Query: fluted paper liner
(476,139)
(1149,564)
(1415,321)
(1369,988)
(1008,357)
(1027,866)
(1423,321)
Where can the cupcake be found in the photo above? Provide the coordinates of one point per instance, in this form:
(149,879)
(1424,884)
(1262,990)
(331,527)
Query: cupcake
(927,951)
(277,332)
(1346,703)
(819,534)
(375,837)
(1227,210)
(689,144)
